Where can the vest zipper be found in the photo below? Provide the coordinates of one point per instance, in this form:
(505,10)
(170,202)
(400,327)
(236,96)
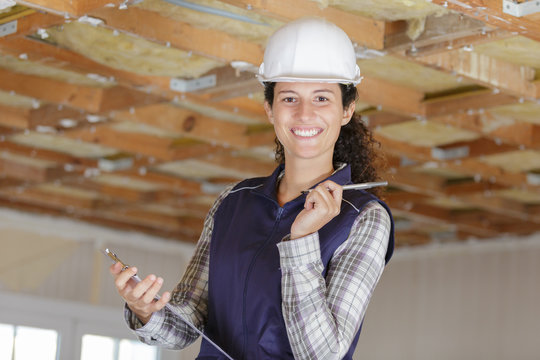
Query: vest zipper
(244,324)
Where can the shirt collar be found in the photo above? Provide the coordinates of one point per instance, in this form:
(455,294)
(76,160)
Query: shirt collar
(341,176)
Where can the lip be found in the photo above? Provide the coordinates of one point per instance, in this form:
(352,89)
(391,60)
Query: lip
(306,133)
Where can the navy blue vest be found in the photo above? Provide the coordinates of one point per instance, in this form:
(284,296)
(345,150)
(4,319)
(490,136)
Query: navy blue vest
(244,288)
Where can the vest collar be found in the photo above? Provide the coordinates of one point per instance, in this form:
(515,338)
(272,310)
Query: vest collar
(341,176)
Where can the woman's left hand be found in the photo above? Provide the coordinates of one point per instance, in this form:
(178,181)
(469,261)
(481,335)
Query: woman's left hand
(322,204)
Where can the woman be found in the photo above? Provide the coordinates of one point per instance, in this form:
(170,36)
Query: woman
(277,273)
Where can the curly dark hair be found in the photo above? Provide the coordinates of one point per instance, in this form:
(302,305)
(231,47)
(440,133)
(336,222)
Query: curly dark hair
(354,146)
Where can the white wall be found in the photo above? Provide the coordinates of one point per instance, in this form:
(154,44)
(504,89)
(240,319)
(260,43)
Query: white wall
(454,301)
(465,301)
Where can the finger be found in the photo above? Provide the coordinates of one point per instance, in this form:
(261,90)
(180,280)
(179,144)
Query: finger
(115,268)
(324,198)
(152,291)
(335,191)
(123,277)
(141,288)
(165,298)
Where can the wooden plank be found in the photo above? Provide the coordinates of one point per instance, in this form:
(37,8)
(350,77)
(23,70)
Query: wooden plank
(445,216)
(195,125)
(29,169)
(490,12)
(59,92)
(91,99)
(45,115)
(383,93)
(471,166)
(438,29)
(161,148)
(44,154)
(74,8)
(374,118)
(517,133)
(102,217)
(252,167)
(167,181)
(511,78)
(31,23)
(206,42)
(450,104)
(51,55)
(456,42)
(362,30)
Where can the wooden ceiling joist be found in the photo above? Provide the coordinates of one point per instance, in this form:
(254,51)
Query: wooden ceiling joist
(91,99)
(45,115)
(30,169)
(206,42)
(159,147)
(364,31)
(197,126)
(515,132)
(518,80)
(490,12)
(74,8)
(32,22)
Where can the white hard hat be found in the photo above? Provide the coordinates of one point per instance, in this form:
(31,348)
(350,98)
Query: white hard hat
(310,50)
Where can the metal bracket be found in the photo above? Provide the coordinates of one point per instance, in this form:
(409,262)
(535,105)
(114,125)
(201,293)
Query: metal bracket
(450,153)
(8,28)
(204,82)
(521,9)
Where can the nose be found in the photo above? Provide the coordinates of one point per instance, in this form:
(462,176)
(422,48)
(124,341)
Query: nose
(306,111)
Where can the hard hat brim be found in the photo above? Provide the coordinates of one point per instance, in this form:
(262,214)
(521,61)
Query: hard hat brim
(264,79)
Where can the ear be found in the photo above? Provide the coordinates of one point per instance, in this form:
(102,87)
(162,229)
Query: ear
(348,113)
(269,112)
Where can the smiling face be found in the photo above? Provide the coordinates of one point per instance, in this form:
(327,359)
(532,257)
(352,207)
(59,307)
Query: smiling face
(307,118)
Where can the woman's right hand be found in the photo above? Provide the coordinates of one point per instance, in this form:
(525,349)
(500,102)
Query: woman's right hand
(139,297)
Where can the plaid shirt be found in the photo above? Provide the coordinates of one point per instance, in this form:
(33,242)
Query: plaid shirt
(322,314)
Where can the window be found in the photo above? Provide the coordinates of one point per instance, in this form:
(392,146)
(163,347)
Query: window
(27,343)
(108,348)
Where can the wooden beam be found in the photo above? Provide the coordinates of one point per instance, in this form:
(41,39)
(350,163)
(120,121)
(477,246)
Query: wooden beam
(438,30)
(31,23)
(490,12)
(44,154)
(103,217)
(167,181)
(91,99)
(472,166)
(456,42)
(513,132)
(206,42)
(159,147)
(195,125)
(74,8)
(46,115)
(511,78)
(30,169)
(383,93)
(364,31)
(450,104)
(51,55)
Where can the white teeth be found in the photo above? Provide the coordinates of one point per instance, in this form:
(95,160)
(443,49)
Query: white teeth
(305,133)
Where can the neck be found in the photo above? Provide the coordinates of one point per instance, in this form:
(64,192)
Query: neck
(301,174)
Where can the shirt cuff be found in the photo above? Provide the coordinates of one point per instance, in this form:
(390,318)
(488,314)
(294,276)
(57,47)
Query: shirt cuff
(144,330)
(300,251)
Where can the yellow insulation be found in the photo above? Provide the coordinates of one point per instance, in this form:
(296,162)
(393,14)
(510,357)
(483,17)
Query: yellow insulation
(126,52)
(241,29)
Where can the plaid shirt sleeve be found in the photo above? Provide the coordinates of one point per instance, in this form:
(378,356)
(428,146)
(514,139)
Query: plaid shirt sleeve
(189,298)
(322,315)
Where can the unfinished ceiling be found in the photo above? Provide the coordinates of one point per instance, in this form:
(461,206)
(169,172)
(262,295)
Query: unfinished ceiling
(135,114)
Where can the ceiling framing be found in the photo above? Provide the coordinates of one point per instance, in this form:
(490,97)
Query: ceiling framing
(90,127)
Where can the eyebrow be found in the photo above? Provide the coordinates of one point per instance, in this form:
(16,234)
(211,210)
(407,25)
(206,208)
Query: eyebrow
(316,91)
